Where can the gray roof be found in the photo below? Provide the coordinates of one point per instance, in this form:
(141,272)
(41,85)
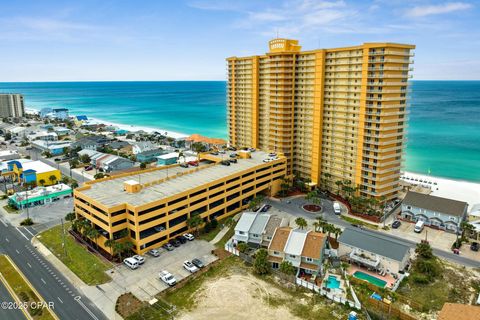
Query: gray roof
(245,222)
(433,203)
(273,223)
(259,223)
(375,243)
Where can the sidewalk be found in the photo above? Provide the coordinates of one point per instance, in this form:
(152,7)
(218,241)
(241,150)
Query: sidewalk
(220,235)
(103,296)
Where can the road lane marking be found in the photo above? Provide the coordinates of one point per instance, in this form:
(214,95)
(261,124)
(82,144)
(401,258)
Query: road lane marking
(3,222)
(22,234)
(78,299)
(29,232)
(6,239)
(59,299)
(43,281)
(29,264)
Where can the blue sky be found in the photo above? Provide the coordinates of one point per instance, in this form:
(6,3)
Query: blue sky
(189,40)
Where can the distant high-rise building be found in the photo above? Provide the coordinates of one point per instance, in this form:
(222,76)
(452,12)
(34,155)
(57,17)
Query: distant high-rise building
(11,105)
(336,114)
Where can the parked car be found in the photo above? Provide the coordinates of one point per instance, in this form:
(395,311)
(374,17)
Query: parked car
(167,277)
(225,162)
(419,226)
(88,168)
(139,258)
(190,267)
(233,155)
(182,239)
(57,159)
(154,253)
(184,165)
(221,151)
(266,208)
(232,148)
(175,242)
(474,246)
(272,154)
(193,163)
(198,263)
(396,224)
(215,153)
(251,149)
(168,246)
(159,228)
(233,160)
(131,263)
(189,236)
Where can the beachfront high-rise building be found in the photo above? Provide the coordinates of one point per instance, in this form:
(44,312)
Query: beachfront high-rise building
(336,114)
(11,105)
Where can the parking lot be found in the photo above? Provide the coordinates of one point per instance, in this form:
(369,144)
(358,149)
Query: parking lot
(40,214)
(145,283)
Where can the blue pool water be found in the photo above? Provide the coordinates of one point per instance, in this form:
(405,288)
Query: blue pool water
(332,282)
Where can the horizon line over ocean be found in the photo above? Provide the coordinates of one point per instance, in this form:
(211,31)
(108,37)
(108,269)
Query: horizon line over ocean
(443,135)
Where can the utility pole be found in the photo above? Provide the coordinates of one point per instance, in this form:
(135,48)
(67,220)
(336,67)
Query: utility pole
(63,238)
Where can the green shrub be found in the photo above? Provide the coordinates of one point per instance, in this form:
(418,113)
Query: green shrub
(26,222)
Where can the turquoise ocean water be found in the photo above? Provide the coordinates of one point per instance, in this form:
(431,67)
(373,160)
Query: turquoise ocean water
(443,135)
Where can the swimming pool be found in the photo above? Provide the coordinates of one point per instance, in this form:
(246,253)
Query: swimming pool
(373,280)
(332,282)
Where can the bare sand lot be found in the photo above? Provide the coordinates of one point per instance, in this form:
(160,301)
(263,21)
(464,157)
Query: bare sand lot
(238,297)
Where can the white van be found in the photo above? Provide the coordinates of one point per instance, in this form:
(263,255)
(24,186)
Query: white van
(336,208)
(131,263)
(419,226)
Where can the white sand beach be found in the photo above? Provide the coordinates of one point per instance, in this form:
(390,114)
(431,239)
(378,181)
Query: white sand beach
(448,188)
(176,135)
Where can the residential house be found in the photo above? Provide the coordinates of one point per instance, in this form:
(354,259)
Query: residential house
(441,213)
(457,311)
(107,162)
(304,249)
(167,159)
(256,228)
(373,250)
(142,146)
(42,135)
(61,131)
(54,147)
(80,120)
(59,113)
(149,155)
(273,223)
(91,142)
(9,154)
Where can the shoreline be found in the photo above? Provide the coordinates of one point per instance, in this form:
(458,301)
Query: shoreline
(128,127)
(461,190)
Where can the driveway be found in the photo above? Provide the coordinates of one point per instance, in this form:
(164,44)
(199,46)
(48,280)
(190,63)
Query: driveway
(438,238)
(144,282)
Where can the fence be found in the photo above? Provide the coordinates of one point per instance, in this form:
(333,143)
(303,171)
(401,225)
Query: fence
(387,310)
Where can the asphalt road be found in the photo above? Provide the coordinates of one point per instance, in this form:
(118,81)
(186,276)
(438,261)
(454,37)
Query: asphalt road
(294,208)
(49,282)
(5,311)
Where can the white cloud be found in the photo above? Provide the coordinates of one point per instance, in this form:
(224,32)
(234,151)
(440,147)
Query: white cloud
(422,11)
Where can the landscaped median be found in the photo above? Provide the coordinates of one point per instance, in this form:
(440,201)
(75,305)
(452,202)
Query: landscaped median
(24,294)
(86,265)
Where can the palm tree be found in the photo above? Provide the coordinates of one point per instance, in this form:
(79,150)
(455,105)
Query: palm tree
(42,182)
(94,234)
(126,246)
(424,250)
(467,229)
(336,231)
(339,184)
(110,243)
(320,224)
(301,222)
(194,222)
(52,178)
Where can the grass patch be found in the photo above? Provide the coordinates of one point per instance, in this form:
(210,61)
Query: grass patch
(210,235)
(87,266)
(23,290)
(453,285)
(359,222)
(10,209)
(226,237)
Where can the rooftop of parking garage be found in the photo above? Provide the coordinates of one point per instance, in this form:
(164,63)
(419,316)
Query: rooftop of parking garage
(178,179)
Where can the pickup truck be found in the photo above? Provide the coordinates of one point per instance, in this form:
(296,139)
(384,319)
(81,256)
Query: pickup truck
(167,277)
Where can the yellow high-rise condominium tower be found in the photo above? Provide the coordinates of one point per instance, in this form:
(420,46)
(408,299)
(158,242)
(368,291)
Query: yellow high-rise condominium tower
(336,114)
